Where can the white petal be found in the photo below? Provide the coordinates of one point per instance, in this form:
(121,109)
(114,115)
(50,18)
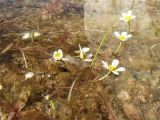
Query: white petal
(115,72)
(121,18)
(80,48)
(54,54)
(29,75)
(129,36)
(26,36)
(60,51)
(89,55)
(133,16)
(120,69)
(85,49)
(1,87)
(129,13)
(117,34)
(105,64)
(124,14)
(115,63)
(88,60)
(124,34)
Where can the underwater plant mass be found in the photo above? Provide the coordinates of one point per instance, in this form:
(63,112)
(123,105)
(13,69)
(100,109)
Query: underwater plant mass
(79,60)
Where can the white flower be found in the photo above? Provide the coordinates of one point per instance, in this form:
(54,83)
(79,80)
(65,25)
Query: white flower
(113,67)
(58,55)
(26,36)
(84,55)
(29,75)
(123,36)
(47,97)
(36,34)
(1,87)
(127,16)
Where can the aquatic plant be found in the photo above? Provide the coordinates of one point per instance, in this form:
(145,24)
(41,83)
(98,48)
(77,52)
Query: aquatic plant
(127,17)
(112,68)
(47,97)
(122,37)
(31,35)
(26,36)
(84,54)
(102,42)
(52,103)
(58,55)
(29,75)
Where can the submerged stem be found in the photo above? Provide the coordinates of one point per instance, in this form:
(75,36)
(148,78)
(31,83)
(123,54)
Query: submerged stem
(25,61)
(71,88)
(118,48)
(102,41)
(104,76)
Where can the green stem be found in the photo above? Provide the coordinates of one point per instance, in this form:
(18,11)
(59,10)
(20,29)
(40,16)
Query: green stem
(118,48)
(132,4)
(129,26)
(102,42)
(104,76)
(71,88)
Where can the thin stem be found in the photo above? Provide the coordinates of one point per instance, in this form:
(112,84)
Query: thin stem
(104,76)
(132,4)
(25,61)
(102,42)
(129,26)
(118,48)
(71,88)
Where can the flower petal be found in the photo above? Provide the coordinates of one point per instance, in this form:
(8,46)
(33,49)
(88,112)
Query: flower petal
(105,64)
(121,18)
(124,34)
(117,34)
(85,49)
(89,55)
(124,14)
(120,69)
(80,48)
(115,63)
(133,16)
(129,36)
(25,36)
(88,60)
(129,13)
(60,51)
(54,54)
(115,72)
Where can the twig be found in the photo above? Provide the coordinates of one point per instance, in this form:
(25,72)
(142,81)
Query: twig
(25,61)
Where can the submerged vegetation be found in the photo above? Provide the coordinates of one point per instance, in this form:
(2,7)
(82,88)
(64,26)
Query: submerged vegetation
(49,70)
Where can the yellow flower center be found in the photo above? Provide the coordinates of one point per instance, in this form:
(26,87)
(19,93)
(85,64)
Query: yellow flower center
(111,68)
(128,18)
(82,55)
(122,38)
(58,55)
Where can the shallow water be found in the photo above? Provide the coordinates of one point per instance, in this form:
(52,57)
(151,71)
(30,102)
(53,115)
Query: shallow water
(63,24)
